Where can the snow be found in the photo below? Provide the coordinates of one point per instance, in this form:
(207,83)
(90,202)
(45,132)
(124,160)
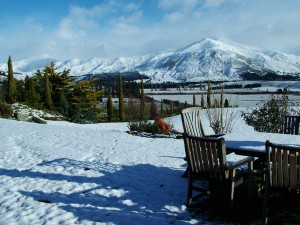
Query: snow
(213,59)
(66,173)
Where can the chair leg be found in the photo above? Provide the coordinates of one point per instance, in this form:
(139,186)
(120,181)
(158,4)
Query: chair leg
(266,206)
(250,179)
(232,178)
(190,191)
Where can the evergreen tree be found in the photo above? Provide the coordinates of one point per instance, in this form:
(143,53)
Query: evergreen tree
(142,102)
(134,89)
(161,107)
(58,80)
(226,103)
(11,83)
(83,100)
(171,108)
(121,100)
(84,96)
(20,91)
(202,101)
(208,101)
(109,107)
(194,100)
(185,104)
(153,110)
(63,103)
(32,97)
(48,92)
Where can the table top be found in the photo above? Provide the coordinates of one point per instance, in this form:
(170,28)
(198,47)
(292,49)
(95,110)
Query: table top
(253,143)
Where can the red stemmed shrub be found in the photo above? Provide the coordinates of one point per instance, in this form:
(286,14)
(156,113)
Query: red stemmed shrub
(164,127)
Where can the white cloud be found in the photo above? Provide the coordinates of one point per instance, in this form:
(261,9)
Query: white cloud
(187,4)
(174,17)
(213,3)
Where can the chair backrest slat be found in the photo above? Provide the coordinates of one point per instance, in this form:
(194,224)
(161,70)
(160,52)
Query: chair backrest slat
(293,169)
(274,167)
(203,152)
(290,125)
(279,168)
(283,164)
(191,121)
(285,169)
(215,156)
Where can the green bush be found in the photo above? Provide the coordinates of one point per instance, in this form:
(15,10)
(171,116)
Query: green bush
(78,115)
(268,117)
(152,128)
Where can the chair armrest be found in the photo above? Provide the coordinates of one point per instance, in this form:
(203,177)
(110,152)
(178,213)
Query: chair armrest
(214,135)
(238,163)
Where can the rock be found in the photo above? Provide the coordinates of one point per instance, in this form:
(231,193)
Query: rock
(22,116)
(37,119)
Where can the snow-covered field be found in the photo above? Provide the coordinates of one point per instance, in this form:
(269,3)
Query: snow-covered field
(65,173)
(251,97)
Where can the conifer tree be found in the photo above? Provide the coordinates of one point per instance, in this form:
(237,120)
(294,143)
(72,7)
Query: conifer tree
(48,92)
(84,104)
(121,100)
(20,91)
(202,101)
(171,108)
(109,107)
(153,110)
(208,101)
(143,102)
(226,103)
(32,97)
(58,80)
(11,83)
(161,107)
(194,100)
(63,103)
(185,104)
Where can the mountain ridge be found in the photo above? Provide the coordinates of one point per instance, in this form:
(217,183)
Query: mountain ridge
(213,59)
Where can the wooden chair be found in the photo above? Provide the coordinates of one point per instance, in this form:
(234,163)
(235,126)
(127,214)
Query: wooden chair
(290,125)
(207,160)
(192,125)
(283,172)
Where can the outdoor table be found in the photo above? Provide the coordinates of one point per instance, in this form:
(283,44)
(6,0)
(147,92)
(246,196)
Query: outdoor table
(253,143)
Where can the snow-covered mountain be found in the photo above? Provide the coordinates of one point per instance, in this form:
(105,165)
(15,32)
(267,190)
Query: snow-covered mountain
(212,59)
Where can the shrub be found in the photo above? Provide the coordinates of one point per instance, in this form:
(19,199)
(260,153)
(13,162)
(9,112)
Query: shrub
(159,126)
(268,117)
(152,128)
(164,127)
(5,110)
(78,115)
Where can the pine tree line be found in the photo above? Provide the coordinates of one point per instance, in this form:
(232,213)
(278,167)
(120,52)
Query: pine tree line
(54,91)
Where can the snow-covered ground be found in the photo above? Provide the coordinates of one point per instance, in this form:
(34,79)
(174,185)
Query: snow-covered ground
(65,173)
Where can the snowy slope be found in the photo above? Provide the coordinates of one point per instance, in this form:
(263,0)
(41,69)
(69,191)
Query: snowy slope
(65,173)
(207,59)
(98,174)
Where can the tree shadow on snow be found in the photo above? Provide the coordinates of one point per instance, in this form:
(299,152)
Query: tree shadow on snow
(135,194)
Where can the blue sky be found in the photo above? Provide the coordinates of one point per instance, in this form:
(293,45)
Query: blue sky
(67,29)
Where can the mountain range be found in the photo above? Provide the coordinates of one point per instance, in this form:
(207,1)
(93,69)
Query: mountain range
(212,59)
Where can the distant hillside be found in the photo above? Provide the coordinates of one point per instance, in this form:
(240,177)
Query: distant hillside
(208,59)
